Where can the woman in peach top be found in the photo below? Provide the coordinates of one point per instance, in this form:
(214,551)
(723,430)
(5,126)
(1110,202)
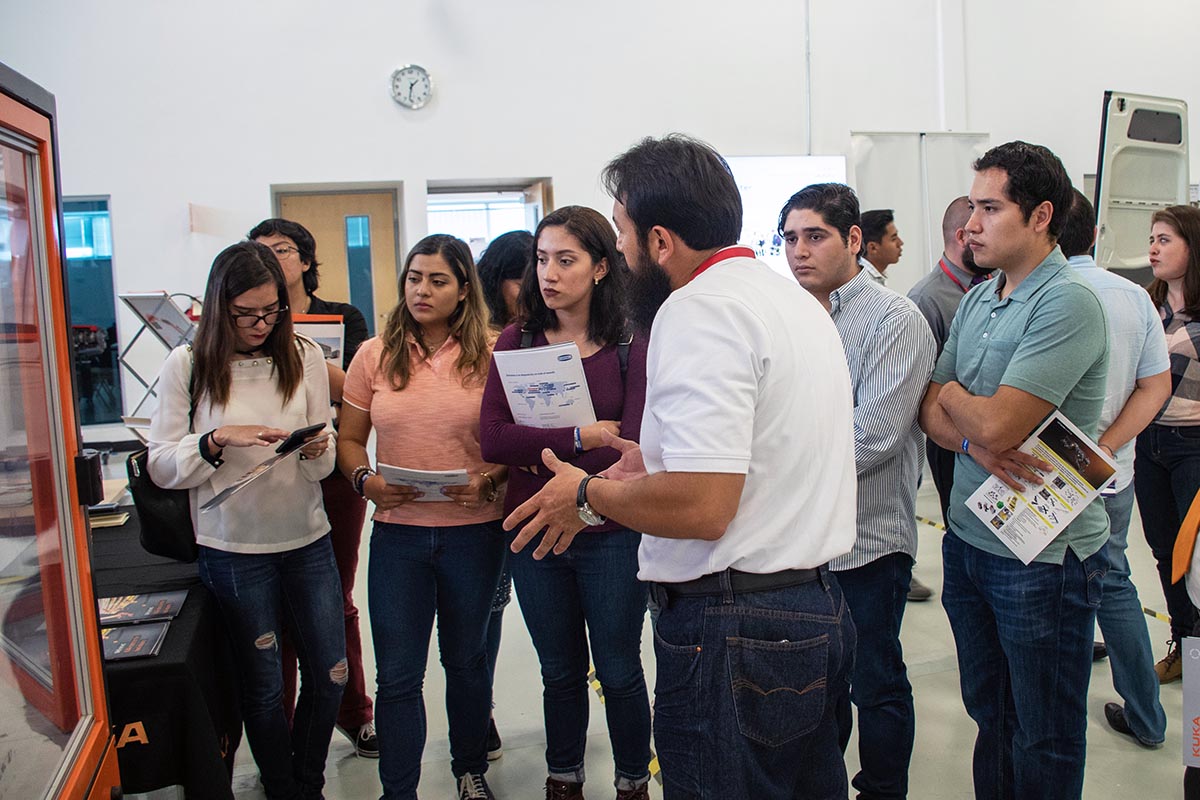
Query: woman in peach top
(420,384)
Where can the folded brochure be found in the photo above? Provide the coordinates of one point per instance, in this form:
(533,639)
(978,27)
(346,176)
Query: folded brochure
(429,482)
(546,386)
(256,473)
(1027,521)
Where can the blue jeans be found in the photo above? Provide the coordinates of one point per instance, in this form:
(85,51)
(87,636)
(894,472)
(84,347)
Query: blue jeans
(299,589)
(591,592)
(1123,624)
(1024,641)
(877,594)
(496,620)
(1166,476)
(415,573)
(749,692)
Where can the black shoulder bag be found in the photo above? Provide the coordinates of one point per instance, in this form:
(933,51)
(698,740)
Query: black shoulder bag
(165,514)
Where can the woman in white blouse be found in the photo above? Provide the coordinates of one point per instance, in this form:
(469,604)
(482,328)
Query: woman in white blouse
(265,553)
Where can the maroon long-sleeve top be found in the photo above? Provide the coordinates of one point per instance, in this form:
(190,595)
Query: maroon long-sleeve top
(613,397)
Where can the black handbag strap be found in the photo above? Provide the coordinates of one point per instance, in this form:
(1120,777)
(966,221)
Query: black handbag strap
(192,392)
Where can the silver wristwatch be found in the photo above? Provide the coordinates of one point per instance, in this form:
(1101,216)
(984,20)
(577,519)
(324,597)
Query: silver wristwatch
(586,512)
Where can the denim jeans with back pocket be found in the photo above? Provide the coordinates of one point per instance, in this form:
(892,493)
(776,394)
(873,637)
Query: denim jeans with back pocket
(749,691)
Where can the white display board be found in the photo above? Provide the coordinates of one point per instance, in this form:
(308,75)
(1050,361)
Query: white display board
(917,175)
(766,183)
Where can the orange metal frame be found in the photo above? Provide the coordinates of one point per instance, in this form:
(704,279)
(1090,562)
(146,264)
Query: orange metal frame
(95,770)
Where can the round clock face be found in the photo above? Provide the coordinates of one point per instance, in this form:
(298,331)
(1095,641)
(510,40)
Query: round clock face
(411,86)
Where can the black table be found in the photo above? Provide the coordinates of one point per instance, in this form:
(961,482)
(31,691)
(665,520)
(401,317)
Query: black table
(175,715)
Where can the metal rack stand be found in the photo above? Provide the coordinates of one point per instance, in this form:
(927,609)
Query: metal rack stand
(167,323)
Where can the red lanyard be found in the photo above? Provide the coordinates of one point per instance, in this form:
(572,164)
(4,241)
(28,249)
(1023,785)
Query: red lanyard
(950,275)
(721,255)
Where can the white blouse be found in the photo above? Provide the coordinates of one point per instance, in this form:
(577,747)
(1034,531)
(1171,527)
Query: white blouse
(283,509)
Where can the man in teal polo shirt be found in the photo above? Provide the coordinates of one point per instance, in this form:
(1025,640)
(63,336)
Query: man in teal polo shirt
(1021,346)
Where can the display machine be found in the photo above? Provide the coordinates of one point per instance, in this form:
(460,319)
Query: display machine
(55,737)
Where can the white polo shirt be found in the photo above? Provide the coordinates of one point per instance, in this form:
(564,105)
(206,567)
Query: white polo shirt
(746,375)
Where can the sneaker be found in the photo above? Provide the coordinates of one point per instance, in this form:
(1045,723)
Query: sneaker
(366,745)
(640,793)
(918,592)
(494,748)
(1099,651)
(563,790)
(1170,669)
(472,786)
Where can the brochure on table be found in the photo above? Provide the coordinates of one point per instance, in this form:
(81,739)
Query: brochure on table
(133,608)
(1028,520)
(133,641)
(545,386)
(429,482)
(327,330)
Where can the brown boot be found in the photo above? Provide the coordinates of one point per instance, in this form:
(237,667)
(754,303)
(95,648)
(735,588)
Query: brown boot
(1170,669)
(640,793)
(563,790)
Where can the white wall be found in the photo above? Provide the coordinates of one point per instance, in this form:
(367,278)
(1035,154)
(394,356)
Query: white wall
(163,105)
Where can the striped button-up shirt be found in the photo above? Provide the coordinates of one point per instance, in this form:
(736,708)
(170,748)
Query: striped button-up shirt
(891,353)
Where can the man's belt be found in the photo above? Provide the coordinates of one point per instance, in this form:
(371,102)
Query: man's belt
(741,582)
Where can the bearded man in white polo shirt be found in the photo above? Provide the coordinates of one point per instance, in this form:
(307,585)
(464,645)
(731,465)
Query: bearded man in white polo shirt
(744,485)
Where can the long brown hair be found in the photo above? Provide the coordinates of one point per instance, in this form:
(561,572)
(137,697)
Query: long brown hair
(238,269)
(468,324)
(1185,221)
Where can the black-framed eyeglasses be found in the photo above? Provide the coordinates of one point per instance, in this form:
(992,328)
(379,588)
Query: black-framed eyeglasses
(250,320)
(281,250)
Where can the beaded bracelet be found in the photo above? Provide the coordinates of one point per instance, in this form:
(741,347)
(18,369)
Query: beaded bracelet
(358,478)
(491,496)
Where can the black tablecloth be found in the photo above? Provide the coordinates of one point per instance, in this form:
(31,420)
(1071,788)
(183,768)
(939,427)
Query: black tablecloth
(185,698)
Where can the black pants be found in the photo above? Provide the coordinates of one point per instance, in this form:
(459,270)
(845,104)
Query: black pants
(941,464)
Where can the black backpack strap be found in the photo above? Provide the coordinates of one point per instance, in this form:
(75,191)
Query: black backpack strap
(526,338)
(623,354)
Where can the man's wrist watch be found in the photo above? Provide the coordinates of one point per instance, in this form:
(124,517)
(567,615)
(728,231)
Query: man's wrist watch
(586,512)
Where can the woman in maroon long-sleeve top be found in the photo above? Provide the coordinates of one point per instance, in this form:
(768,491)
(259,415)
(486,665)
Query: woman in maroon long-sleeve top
(577,293)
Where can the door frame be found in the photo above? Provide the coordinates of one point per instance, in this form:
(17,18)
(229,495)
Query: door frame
(30,110)
(394,188)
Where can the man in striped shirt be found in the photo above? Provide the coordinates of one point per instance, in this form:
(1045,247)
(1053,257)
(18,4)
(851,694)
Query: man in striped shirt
(890,352)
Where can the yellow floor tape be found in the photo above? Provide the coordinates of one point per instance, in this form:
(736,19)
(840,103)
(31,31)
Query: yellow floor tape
(655,769)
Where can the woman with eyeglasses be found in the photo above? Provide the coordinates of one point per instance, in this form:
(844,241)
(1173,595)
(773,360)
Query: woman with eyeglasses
(244,384)
(296,250)
(419,385)
(590,595)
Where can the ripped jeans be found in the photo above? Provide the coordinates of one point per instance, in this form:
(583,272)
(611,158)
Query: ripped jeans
(301,590)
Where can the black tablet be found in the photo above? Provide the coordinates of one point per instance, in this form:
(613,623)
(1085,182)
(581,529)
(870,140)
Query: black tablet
(298,437)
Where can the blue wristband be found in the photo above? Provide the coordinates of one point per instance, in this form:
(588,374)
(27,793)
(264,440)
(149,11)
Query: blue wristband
(965,444)
(578,442)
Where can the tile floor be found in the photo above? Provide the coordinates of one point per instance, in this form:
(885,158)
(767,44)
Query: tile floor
(941,765)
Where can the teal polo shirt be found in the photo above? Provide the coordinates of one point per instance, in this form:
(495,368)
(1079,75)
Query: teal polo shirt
(1049,338)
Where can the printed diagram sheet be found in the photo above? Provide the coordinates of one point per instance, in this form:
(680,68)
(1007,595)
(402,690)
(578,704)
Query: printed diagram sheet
(545,386)
(1028,520)
(429,482)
